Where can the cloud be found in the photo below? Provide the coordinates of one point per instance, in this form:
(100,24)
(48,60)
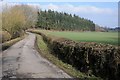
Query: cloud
(61,0)
(53,7)
(9,5)
(78,9)
(69,8)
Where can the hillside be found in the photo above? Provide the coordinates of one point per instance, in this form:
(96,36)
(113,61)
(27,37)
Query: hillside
(63,21)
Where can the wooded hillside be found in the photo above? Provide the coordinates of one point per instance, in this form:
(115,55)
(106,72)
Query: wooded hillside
(63,21)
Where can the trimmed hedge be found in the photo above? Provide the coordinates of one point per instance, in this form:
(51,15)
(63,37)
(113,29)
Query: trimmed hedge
(94,58)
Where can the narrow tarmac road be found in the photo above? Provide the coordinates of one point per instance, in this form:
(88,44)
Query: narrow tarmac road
(23,61)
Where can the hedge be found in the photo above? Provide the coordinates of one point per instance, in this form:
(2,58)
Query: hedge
(99,59)
(9,43)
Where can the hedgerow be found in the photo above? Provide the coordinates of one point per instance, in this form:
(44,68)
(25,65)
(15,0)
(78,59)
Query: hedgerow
(94,58)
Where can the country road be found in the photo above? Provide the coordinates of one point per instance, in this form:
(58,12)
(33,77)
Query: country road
(23,61)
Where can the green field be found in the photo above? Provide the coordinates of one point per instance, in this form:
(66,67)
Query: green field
(100,37)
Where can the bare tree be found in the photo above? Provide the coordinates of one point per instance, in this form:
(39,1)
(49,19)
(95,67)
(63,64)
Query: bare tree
(18,18)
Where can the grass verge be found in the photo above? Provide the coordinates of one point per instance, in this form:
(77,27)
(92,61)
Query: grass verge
(45,52)
(7,44)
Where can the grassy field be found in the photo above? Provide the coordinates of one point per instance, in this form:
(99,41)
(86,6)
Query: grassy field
(100,37)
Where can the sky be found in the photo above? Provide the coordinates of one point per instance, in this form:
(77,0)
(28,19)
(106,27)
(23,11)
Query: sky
(103,12)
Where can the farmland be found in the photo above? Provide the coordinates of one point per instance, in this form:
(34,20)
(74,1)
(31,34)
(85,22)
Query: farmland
(99,37)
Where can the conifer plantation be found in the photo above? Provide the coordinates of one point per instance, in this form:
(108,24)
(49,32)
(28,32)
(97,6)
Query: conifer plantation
(63,21)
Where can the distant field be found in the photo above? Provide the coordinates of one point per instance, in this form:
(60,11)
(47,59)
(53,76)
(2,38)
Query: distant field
(100,37)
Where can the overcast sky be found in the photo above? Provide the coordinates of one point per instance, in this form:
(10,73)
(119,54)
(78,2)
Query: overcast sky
(104,12)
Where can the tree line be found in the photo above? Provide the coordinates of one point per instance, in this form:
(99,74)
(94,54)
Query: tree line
(49,19)
(16,19)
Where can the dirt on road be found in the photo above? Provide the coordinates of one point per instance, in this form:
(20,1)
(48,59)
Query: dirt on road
(23,61)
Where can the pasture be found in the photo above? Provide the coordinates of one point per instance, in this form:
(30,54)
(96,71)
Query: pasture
(99,37)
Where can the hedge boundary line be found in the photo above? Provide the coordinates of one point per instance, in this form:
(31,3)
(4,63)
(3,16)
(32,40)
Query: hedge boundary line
(7,44)
(94,58)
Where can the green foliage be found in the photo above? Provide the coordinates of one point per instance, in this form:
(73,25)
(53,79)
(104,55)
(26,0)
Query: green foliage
(63,21)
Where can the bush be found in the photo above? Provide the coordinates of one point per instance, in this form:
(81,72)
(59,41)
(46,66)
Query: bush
(5,36)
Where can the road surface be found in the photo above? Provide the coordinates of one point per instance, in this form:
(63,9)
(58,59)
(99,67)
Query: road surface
(23,61)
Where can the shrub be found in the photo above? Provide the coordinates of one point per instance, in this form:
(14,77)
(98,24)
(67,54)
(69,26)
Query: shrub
(5,36)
